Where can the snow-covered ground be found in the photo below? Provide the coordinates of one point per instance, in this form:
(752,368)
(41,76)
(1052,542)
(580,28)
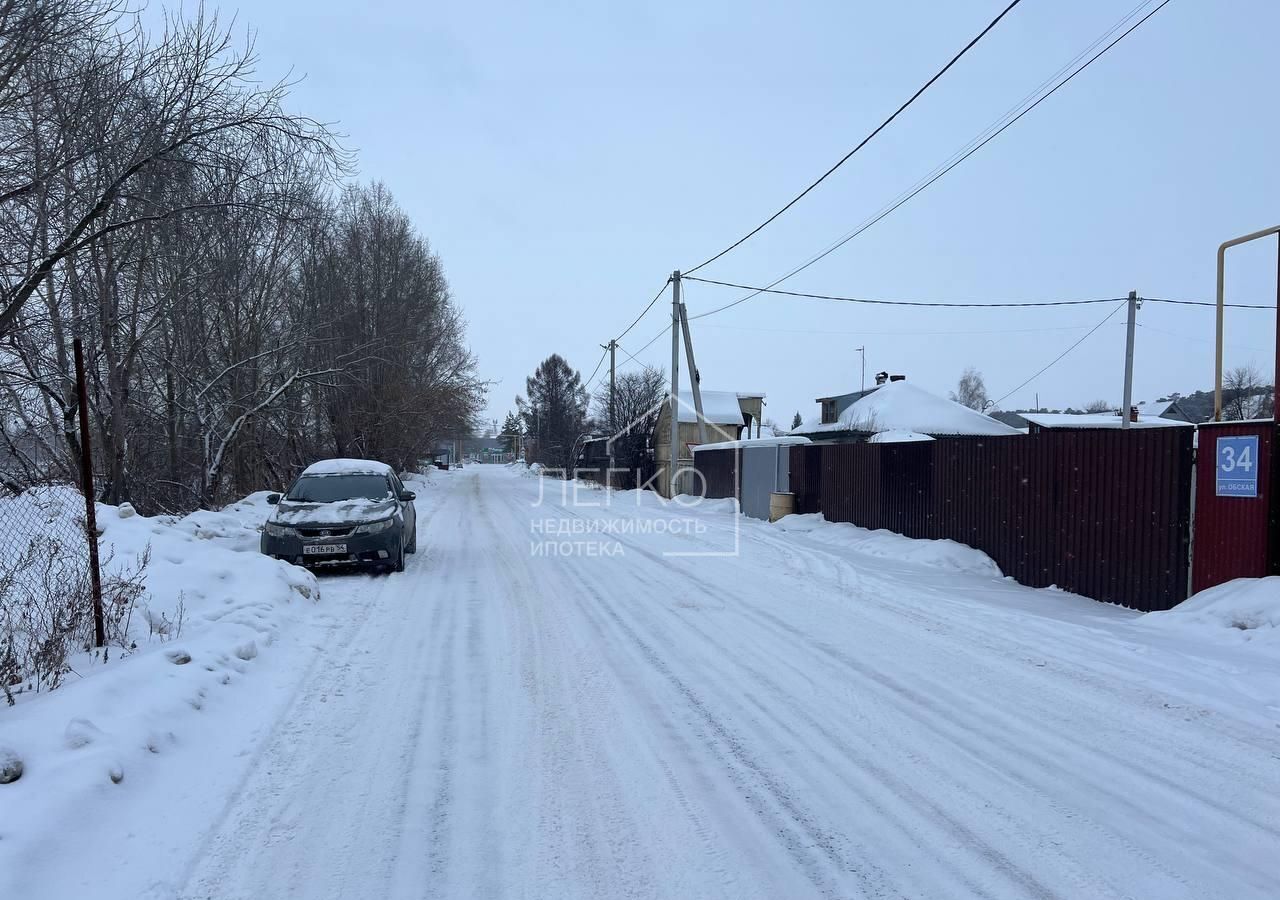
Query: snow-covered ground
(547,703)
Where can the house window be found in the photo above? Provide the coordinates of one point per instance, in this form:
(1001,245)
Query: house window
(828,411)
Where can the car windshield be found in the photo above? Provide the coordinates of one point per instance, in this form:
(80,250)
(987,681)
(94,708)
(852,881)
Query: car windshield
(332,488)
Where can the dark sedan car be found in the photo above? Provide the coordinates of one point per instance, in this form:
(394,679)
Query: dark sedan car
(343,512)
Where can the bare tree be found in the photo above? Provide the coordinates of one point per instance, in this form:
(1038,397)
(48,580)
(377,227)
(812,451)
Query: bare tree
(157,202)
(639,396)
(972,391)
(1099,406)
(1245,395)
(108,121)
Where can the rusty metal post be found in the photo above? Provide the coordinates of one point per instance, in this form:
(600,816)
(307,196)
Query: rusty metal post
(86,485)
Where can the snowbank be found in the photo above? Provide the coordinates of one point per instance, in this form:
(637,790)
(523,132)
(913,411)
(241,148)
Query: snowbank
(1243,611)
(211,602)
(236,527)
(938,554)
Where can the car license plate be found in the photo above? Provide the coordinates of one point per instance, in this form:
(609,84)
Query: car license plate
(323,549)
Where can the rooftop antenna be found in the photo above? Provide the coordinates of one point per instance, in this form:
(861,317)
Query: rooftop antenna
(863,351)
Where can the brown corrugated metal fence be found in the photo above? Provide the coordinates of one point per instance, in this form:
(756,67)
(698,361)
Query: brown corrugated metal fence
(1104,513)
(719,470)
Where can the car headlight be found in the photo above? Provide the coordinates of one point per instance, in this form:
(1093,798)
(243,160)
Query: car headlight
(274,530)
(375,527)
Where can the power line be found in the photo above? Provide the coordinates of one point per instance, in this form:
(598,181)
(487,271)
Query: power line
(1060,356)
(596,369)
(645,312)
(956,304)
(959,304)
(866,140)
(947,167)
(632,358)
(648,344)
(828,331)
(879,302)
(1208,303)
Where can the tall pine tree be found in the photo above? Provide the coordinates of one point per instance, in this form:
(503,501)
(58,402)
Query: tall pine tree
(554,411)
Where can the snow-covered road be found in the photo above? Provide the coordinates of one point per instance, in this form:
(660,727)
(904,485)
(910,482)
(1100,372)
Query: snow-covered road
(797,721)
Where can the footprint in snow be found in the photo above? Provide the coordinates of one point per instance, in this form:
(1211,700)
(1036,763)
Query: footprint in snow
(81,733)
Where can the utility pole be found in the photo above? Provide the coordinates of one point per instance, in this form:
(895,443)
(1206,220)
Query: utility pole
(675,382)
(612,347)
(1134,302)
(695,378)
(86,486)
(863,351)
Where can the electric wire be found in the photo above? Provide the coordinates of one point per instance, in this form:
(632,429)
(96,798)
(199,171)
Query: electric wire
(939,173)
(629,357)
(828,331)
(632,356)
(596,370)
(645,312)
(866,140)
(1060,356)
(965,304)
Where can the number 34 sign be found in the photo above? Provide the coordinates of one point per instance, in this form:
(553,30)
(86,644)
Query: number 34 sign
(1238,466)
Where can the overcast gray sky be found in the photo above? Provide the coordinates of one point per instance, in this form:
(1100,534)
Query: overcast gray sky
(563,158)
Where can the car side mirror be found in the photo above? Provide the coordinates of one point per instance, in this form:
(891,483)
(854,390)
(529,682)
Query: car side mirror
(273,499)
(408,496)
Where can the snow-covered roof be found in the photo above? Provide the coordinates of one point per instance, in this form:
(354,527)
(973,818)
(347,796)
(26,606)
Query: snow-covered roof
(780,441)
(718,407)
(897,437)
(1099,420)
(902,406)
(347,467)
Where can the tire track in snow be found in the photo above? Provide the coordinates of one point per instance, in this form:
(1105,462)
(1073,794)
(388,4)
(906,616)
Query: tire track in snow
(276,828)
(933,711)
(800,831)
(1172,789)
(929,812)
(1061,712)
(587,833)
(926,809)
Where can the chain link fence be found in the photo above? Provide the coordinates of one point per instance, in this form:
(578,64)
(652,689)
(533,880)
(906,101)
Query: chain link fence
(46,596)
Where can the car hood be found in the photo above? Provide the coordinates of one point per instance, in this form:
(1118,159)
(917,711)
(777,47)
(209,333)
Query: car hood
(340,512)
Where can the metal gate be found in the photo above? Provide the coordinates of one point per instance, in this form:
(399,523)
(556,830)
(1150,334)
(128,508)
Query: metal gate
(1235,533)
(764,470)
